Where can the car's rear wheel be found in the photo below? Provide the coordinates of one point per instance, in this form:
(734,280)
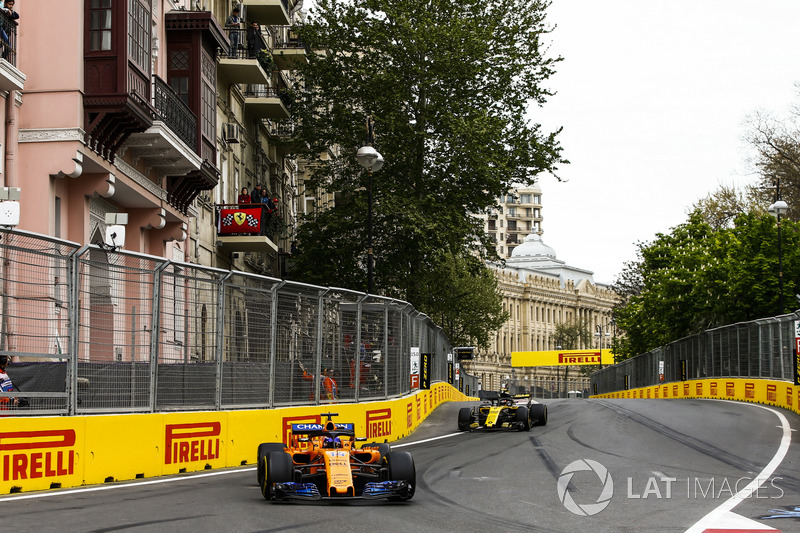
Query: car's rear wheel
(539,414)
(464,418)
(278,468)
(263,449)
(382,447)
(400,467)
(523,418)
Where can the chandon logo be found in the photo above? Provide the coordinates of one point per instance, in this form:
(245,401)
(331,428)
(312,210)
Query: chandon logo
(587,509)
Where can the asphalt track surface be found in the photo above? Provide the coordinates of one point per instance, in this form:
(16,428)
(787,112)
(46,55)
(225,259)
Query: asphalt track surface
(672,463)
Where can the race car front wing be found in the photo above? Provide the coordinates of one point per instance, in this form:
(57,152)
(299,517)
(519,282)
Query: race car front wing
(309,491)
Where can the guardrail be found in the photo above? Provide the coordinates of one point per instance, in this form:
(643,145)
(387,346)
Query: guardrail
(95,330)
(760,349)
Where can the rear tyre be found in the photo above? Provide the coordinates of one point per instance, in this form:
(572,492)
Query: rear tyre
(263,449)
(400,467)
(382,447)
(464,419)
(539,414)
(523,418)
(278,469)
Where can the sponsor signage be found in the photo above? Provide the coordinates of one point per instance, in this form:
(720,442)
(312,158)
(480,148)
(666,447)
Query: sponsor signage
(464,352)
(562,358)
(797,352)
(305,428)
(425,379)
(379,423)
(37,454)
(187,443)
(450,376)
(415,362)
(683,370)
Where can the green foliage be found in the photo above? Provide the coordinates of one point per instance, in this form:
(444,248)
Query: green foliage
(448,85)
(697,278)
(466,302)
(573,335)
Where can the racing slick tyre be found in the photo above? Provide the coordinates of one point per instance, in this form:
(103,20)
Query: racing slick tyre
(400,467)
(523,418)
(381,446)
(278,468)
(539,414)
(464,418)
(263,449)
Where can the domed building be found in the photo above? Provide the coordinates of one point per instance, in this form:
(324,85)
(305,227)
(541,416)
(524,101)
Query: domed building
(540,291)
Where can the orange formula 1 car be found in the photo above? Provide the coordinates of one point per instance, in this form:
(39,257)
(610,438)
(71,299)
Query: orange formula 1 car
(322,461)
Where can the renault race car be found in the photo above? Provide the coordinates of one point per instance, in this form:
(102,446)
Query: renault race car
(501,410)
(322,461)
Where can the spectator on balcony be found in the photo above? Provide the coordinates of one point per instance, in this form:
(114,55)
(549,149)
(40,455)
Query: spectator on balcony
(253,34)
(244,197)
(257,196)
(8,11)
(234,24)
(271,204)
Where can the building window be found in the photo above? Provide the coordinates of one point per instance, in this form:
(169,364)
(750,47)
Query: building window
(537,198)
(139,25)
(100,25)
(525,198)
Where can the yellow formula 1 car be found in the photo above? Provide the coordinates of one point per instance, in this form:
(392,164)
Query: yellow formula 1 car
(500,410)
(322,461)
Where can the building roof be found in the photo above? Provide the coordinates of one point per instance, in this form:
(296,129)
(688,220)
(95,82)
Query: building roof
(533,256)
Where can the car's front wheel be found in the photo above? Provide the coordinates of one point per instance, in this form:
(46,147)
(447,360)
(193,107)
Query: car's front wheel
(263,449)
(278,468)
(464,419)
(400,467)
(523,418)
(539,414)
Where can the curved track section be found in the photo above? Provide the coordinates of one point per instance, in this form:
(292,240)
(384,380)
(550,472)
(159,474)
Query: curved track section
(599,465)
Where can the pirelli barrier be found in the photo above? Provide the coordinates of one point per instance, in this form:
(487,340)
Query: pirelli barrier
(765,391)
(52,452)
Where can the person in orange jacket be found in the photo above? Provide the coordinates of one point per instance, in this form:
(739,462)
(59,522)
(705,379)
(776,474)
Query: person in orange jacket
(328,387)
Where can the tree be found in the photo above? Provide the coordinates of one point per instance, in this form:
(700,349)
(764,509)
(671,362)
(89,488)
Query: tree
(573,336)
(721,207)
(448,85)
(466,302)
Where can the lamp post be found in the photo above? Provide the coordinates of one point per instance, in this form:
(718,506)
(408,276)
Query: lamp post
(777,209)
(599,333)
(369,158)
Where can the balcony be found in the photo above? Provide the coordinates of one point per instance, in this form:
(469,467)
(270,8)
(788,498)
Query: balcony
(169,145)
(284,134)
(11,79)
(267,12)
(247,228)
(243,62)
(287,49)
(266,102)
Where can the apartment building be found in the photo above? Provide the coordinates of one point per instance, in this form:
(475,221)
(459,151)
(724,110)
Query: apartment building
(517,214)
(154,114)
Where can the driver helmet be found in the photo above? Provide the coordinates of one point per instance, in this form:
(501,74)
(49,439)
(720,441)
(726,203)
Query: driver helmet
(3,360)
(329,442)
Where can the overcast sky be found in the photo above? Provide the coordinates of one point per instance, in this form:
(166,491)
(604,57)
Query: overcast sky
(653,96)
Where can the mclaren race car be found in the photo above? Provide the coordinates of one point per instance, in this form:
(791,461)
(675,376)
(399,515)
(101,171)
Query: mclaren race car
(322,461)
(501,410)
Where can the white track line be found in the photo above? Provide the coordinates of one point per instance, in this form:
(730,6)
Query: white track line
(709,520)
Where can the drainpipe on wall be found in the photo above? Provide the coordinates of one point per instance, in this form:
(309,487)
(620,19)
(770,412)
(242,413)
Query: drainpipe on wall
(12,140)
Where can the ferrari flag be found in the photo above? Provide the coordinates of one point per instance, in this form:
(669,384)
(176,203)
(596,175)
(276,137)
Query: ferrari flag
(240,220)
(562,358)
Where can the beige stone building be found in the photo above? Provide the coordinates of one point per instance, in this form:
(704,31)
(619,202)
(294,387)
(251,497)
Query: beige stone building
(539,292)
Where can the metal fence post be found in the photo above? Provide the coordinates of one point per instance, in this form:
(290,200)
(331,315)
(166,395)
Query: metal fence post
(155,330)
(273,340)
(72,343)
(220,350)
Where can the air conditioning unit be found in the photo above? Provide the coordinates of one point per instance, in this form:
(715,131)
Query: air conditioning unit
(232,133)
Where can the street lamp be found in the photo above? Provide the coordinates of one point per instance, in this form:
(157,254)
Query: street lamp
(778,209)
(599,334)
(369,158)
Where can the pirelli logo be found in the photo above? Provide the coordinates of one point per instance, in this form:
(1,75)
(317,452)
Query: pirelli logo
(730,389)
(588,358)
(37,454)
(698,387)
(379,423)
(713,388)
(772,393)
(789,396)
(750,391)
(187,443)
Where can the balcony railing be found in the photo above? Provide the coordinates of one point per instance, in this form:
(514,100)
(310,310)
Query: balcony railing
(245,44)
(284,37)
(8,38)
(258,91)
(174,112)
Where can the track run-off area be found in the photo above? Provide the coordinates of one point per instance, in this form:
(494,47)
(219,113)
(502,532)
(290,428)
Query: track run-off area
(598,465)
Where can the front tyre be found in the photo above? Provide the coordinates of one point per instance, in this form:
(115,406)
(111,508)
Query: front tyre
(523,418)
(400,467)
(539,414)
(278,468)
(464,419)
(263,449)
